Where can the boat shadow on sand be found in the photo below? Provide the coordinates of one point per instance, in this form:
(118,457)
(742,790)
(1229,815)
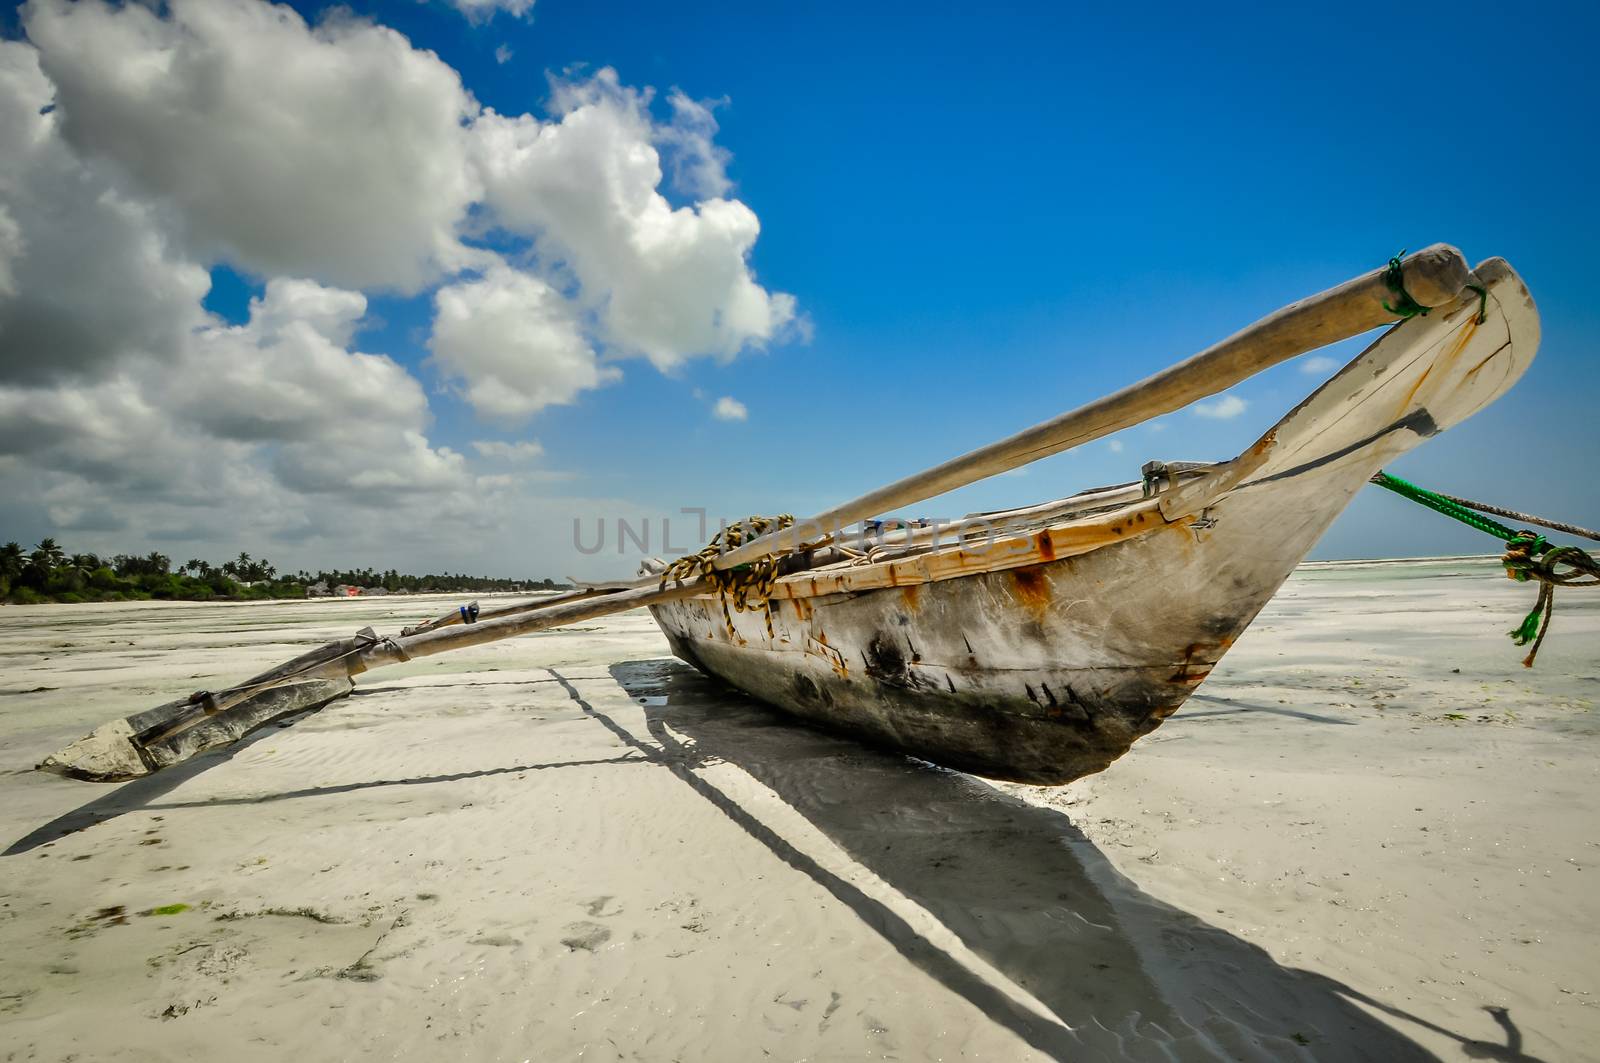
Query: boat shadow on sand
(1128,976)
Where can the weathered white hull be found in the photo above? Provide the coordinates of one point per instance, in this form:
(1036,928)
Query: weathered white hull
(1044,668)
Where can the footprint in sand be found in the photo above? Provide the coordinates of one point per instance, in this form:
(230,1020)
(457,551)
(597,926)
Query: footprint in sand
(586,936)
(500,941)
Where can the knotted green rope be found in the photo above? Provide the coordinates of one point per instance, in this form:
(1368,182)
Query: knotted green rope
(1394,279)
(1528,557)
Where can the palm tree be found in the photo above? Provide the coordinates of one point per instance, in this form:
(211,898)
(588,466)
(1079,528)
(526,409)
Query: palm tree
(49,552)
(12,559)
(79,566)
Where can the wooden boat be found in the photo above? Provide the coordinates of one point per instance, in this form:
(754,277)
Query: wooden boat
(1039,644)
(1034,644)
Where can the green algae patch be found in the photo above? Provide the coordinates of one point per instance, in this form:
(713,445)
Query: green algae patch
(168,909)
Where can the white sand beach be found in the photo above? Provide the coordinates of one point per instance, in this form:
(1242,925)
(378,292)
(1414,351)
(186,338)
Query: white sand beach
(1371,834)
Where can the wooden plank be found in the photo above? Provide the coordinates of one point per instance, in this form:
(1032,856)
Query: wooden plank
(1008,551)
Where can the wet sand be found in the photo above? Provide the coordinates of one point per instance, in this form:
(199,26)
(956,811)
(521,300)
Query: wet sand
(1369,835)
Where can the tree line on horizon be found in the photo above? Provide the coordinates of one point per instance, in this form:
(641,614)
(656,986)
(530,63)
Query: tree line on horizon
(49,574)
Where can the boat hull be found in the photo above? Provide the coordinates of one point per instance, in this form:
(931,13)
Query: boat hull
(1039,674)
(1049,671)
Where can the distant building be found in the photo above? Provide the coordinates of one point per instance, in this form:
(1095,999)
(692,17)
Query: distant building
(344,590)
(318,589)
(373,592)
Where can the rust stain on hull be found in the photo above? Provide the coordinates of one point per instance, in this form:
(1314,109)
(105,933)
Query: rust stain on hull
(1032,588)
(1198,660)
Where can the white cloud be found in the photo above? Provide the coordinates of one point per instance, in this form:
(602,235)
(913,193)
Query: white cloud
(244,428)
(503,54)
(1115,445)
(699,165)
(343,421)
(484,10)
(729,408)
(515,342)
(288,378)
(528,450)
(666,283)
(86,274)
(11,247)
(336,152)
(1319,363)
(1225,408)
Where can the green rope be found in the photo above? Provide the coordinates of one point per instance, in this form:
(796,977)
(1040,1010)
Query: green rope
(1483,301)
(1394,278)
(1440,504)
(1528,557)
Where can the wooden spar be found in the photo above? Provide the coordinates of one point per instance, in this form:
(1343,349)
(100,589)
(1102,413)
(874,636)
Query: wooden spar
(149,741)
(1433,276)
(349,657)
(454,617)
(428,643)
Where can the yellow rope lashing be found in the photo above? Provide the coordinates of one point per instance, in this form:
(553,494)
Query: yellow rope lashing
(747,586)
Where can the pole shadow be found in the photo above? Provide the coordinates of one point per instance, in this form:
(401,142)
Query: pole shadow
(1131,977)
(117,799)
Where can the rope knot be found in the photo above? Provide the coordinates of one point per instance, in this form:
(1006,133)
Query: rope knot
(1394,279)
(1521,558)
(747,586)
(1529,557)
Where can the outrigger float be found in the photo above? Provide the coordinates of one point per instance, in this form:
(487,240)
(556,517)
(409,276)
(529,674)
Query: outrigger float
(1032,644)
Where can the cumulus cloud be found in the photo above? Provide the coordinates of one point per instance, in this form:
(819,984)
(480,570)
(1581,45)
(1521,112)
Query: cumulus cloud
(1225,408)
(11,248)
(527,450)
(514,342)
(729,408)
(699,165)
(666,283)
(277,400)
(336,152)
(87,275)
(503,54)
(1319,363)
(484,10)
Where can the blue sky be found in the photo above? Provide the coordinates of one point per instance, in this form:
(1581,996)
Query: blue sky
(991,216)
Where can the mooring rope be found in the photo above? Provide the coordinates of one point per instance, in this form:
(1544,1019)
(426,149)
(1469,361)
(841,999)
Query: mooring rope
(1543,522)
(741,583)
(1528,556)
